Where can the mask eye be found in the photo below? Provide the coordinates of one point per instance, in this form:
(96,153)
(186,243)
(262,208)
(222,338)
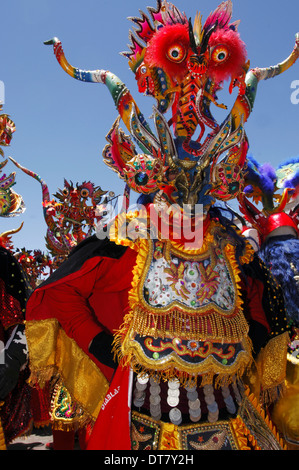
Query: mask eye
(84,193)
(220,54)
(141,179)
(143,69)
(176,53)
(65,192)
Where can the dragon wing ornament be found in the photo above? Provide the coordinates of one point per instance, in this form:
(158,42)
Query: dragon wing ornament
(183,67)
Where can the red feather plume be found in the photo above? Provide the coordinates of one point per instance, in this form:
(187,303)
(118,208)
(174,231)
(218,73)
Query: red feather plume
(169,49)
(227,55)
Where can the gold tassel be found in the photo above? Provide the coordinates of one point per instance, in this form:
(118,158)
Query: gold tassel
(185,325)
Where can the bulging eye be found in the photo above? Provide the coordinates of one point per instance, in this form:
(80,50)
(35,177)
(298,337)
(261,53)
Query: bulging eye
(176,53)
(143,69)
(141,179)
(65,192)
(220,54)
(84,192)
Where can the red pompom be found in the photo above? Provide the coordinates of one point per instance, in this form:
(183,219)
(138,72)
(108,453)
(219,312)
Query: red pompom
(169,49)
(227,55)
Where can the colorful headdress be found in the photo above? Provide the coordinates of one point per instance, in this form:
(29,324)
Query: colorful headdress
(182,66)
(269,198)
(270,205)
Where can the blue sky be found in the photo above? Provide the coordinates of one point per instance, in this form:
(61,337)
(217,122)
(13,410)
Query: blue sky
(62,123)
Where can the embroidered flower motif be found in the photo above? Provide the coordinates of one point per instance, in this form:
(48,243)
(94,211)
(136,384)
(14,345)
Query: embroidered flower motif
(209,284)
(176,279)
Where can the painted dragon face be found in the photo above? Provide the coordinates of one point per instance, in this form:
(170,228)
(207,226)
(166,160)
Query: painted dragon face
(78,202)
(72,216)
(183,67)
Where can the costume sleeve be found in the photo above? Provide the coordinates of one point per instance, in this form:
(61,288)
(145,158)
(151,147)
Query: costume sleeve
(253,304)
(259,328)
(68,303)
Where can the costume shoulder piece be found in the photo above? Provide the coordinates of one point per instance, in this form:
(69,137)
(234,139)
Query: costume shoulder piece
(88,252)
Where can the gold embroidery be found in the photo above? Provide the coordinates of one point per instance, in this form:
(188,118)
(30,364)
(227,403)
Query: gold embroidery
(234,433)
(180,319)
(138,437)
(271,366)
(53,355)
(214,443)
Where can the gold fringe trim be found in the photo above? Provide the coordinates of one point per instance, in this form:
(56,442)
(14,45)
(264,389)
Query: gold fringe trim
(53,356)
(208,372)
(121,220)
(183,322)
(177,322)
(246,441)
(265,417)
(230,327)
(211,324)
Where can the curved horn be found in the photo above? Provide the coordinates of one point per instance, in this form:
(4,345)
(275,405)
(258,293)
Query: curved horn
(244,103)
(122,98)
(270,72)
(11,232)
(45,190)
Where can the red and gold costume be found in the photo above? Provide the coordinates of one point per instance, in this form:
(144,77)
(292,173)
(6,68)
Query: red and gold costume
(197,326)
(106,291)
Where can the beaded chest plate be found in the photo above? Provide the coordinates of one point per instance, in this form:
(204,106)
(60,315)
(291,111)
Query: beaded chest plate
(186,312)
(173,280)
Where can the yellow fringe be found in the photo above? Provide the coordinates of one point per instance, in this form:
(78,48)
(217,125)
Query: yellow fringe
(208,373)
(271,367)
(185,325)
(265,417)
(54,356)
(245,439)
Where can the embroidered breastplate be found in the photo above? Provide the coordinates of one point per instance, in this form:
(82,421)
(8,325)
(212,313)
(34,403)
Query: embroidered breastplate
(186,313)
